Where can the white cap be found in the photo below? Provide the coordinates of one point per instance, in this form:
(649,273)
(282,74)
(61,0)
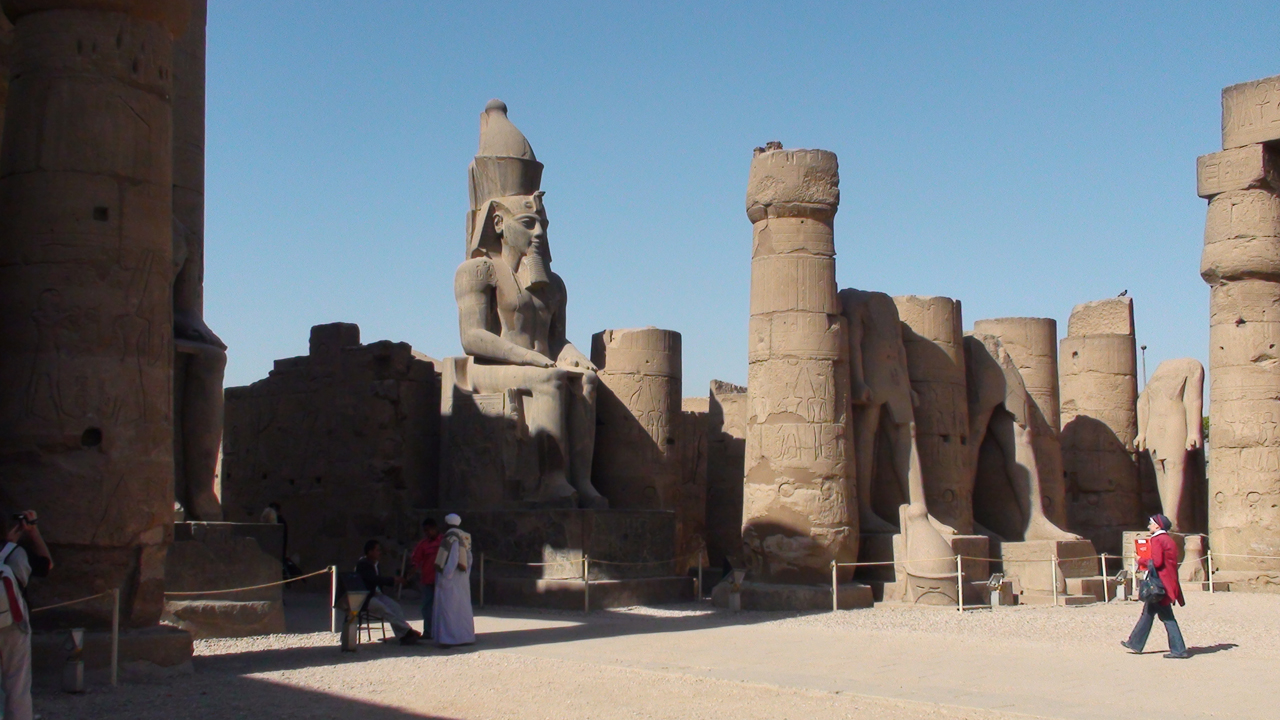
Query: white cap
(453,519)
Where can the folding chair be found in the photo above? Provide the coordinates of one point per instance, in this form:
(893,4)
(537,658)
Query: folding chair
(353,599)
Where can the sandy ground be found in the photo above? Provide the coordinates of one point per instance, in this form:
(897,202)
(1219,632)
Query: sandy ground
(691,661)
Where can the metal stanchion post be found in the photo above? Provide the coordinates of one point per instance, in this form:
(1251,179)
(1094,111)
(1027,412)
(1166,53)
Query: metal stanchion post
(835,589)
(1209,556)
(115,636)
(1054,569)
(333,595)
(586,584)
(959,584)
(481,579)
(1106,593)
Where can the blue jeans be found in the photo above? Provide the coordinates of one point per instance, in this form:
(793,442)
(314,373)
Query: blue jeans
(428,601)
(1138,638)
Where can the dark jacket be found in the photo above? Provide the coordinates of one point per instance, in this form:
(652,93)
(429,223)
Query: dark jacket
(1164,558)
(368,571)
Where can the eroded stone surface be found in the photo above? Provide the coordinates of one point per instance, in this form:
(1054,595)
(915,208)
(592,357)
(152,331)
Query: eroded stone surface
(1244,168)
(1251,112)
(1099,390)
(798,513)
(86,189)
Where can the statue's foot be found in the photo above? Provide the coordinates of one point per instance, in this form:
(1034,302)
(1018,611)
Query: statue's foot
(871,523)
(205,508)
(590,499)
(1041,529)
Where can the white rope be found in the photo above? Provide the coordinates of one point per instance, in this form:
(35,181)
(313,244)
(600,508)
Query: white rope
(72,602)
(326,571)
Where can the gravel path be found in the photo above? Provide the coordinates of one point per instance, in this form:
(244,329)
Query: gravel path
(693,662)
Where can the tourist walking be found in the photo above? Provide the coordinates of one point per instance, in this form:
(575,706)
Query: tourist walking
(1164,562)
(424,561)
(15,635)
(451,620)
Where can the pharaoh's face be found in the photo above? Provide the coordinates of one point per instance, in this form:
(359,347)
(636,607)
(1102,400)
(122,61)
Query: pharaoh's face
(523,232)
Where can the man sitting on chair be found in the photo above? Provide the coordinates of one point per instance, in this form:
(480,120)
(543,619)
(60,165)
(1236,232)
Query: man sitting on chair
(379,604)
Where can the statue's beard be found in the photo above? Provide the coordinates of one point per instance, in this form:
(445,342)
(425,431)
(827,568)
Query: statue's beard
(533,270)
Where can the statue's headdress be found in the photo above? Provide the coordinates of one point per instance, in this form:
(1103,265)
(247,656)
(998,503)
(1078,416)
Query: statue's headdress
(504,167)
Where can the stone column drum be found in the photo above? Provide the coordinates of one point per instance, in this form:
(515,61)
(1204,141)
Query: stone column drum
(1099,390)
(636,464)
(85,307)
(799,512)
(1033,345)
(1241,264)
(934,337)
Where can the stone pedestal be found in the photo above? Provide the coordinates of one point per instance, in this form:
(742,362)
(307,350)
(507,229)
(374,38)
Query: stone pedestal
(778,597)
(1031,564)
(86,253)
(220,556)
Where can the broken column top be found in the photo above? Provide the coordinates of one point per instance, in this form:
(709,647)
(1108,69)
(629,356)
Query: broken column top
(173,15)
(328,340)
(792,183)
(1113,316)
(1251,112)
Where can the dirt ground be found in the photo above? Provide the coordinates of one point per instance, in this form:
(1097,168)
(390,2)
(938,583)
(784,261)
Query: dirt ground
(691,661)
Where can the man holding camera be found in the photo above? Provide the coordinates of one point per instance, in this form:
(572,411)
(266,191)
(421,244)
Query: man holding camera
(25,554)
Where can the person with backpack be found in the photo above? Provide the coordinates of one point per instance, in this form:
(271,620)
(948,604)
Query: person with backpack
(1164,564)
(17,566)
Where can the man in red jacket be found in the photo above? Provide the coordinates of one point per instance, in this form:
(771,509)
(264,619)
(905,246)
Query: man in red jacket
(1164,560)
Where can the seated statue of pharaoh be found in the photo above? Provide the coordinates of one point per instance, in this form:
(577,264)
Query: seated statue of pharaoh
(511,314)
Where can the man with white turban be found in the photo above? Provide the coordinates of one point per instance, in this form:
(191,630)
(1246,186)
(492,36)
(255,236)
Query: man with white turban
(451,620)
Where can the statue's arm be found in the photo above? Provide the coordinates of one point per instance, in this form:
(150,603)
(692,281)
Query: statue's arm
(1193,404)
(565,353)
(473,287)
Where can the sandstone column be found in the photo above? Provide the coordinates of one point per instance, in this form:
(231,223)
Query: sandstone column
(85,306)
(201,356)
(1032,343)
(799,512)
(637,463)
(1099,390)
(1241,263)
(933,335)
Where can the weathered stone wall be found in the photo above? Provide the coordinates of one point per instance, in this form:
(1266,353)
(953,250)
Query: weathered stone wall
(86,178)
(726,453)
(932,331)
(220,556)
(1241,264)
(1032,343)
(797,511)
(1099,390)
(345,439)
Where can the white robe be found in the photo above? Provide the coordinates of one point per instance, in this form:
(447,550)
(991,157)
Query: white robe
(451,620)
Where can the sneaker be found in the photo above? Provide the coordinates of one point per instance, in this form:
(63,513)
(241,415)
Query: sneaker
(1125,644)
(1177,656)
(410,638)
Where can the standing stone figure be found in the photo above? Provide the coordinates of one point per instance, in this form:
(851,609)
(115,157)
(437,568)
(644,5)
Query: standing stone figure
(511,313)
(1241,264)
(86,310)
(882,397)
(1002,411)
(798,513)
(1170,430)
(201,356)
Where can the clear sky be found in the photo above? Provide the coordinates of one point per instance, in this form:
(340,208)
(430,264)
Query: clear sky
(1022,157)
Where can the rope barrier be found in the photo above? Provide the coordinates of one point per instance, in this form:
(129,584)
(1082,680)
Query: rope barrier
(1255,557)
(593,561)
(106,593)
(326,571)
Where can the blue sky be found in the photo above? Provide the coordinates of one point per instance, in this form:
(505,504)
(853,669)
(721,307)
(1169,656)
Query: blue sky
(1022,157)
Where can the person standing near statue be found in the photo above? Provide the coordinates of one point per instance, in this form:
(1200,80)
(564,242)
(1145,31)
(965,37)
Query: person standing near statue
(451,620)
(1163,562)
(15,638)
(424,561)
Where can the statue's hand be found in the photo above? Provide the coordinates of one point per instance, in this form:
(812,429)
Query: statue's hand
(1140,443)
(579,363)
(189,326)
(537,359)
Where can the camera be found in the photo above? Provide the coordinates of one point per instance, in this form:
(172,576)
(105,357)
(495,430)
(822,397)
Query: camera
(20,517)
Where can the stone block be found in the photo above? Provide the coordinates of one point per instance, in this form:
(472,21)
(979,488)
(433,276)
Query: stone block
(222,556)
(1251,112)
(1032,563)
(1112,316)
(795,598)
(603,594)
(1244,168)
